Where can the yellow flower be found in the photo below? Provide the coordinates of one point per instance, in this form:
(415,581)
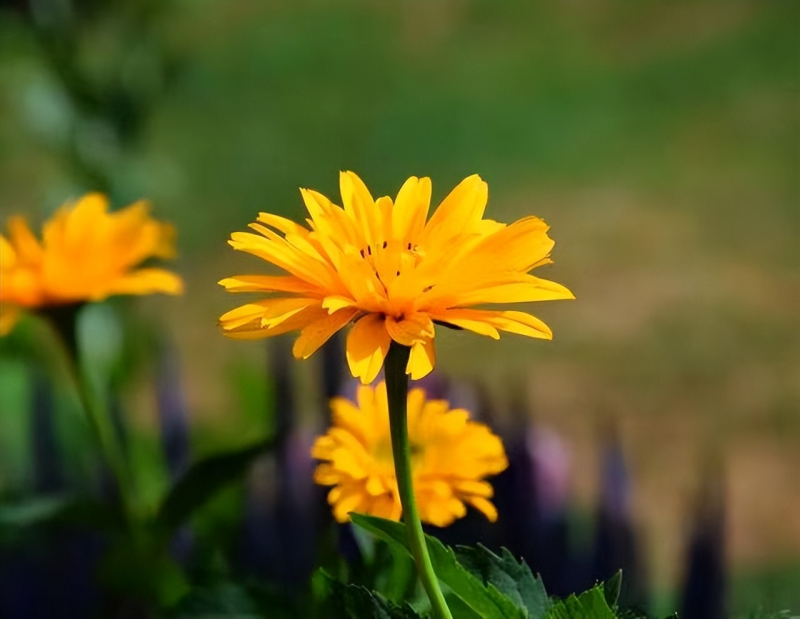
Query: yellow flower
(450,456)
(86,254)
(381,265)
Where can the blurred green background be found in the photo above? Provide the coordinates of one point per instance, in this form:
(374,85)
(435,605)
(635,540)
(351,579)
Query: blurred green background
(661,141)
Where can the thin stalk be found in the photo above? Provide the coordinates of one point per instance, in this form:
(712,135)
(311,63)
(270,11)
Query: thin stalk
(397,395)
(97,413)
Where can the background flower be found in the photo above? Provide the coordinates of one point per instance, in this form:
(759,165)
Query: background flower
(86,254)
(450,455)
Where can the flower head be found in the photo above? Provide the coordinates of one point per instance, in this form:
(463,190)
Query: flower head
(450,456)
(386,267)
(86,254)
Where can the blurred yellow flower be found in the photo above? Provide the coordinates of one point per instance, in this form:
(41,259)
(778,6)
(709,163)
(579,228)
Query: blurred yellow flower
(381,265)
(450,456)
(86,254)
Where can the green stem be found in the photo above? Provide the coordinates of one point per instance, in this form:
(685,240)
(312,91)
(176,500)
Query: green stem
(397,395)
(97,414)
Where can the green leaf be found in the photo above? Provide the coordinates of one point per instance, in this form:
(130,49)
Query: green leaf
(348,601)
(391,532)
(611,589)
(485,599)
(512,578)
(202,481)
(400,579)
(590,604)
(459,608)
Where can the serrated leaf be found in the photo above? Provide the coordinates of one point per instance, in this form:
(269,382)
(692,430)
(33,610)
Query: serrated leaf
(485,599)
(202,481)
(391,532)
(512,578)
(459,608)
(349,601)
(611,589)
(590,604)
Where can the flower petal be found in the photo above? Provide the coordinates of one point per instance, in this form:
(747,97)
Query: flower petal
(413,328)
(346,415)
(287,226)
(488,322)
(386,506)
(518,247)
(277,311)
(142,281)
(325,474)
(457,318)
(334,303)
(535,289)
(350,500)
(134,235)
(280,253)
(80,223)
(334,228)
(267,283)
(246,322)
(440,508)
(320,331)
(411,209)
(241,315)
(484,506)
(367,345)
(8,256)
(421,359)
(25,243)
(460,211)
(360,206)
(475,487)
